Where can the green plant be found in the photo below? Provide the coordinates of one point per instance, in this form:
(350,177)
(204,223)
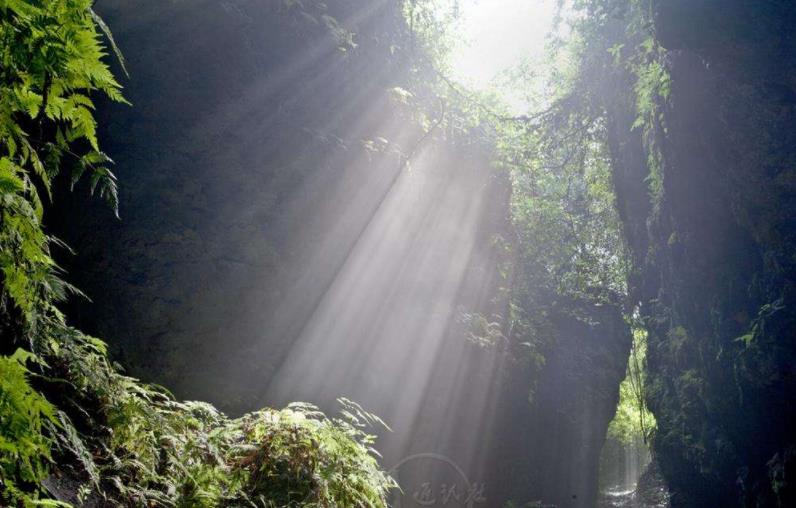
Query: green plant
(299,457)
(24,446)
(51,60)
(633,421)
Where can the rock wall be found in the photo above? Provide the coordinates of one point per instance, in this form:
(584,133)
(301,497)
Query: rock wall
(243,143)
(714,252)
(553,437)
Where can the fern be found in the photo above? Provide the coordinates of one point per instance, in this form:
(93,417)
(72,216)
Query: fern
(24,447)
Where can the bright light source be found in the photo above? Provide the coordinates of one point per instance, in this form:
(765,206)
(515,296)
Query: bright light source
(496,35)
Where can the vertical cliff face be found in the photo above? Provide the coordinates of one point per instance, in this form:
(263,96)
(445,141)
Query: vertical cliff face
(246,136)
(560,431)
(714,251)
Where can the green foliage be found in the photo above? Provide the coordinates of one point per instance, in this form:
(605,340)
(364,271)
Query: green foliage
(51,61)
(431,25)
(758,326)
(147,449)
(139,446)
(752,367)
(652,92)
(24,447)
(565,245)
(298,457)
(188,454)
(633,421)
(483,331)
(566,222)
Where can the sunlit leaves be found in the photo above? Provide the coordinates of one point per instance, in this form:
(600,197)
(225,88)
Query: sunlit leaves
(24,448)
(564,210)
(400,95)
(51,58)
(633,421)
(54,57)
(299,457)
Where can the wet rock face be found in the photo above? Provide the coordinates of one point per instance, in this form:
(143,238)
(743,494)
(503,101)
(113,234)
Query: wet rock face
(577,398)
(244,129)
(554,458)
(716,266)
